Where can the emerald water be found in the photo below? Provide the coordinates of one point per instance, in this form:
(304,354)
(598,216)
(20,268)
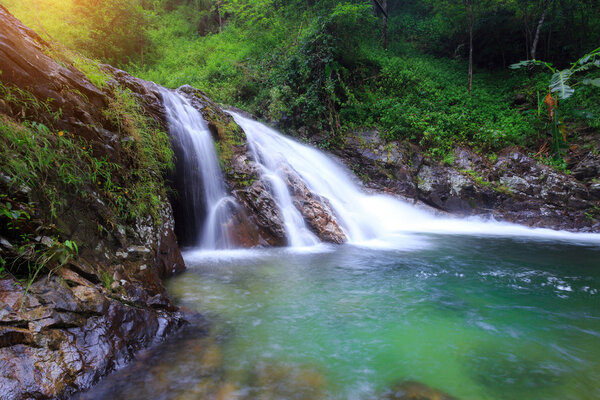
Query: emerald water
(475,317)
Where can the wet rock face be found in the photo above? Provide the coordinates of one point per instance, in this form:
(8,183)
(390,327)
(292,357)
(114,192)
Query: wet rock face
(260,209)
(514,188)
(315,210)
(62,336)
(449,190)
(388,168)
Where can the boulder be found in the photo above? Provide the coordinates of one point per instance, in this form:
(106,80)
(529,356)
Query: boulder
(315,209)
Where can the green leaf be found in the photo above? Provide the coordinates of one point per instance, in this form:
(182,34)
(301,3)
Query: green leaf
(527,63)
(593,82)
(558,84)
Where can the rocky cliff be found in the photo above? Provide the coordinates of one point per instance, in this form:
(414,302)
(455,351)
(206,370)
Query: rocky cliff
(511,187)
(83,245)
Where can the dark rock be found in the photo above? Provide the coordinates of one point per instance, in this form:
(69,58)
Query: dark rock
(315,210)
(587,168)
(516,188)
(67,338)
(263,212)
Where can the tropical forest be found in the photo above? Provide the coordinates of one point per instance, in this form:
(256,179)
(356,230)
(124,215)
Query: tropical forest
(299,199)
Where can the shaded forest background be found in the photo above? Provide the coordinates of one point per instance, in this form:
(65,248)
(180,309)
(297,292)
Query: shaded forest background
(319,67)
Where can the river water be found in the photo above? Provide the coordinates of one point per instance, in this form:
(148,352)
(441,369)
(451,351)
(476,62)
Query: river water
(414,305)
(475,317)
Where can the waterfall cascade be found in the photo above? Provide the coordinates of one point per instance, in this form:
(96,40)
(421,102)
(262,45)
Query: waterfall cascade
(376,219)
(206,204)
(364,218)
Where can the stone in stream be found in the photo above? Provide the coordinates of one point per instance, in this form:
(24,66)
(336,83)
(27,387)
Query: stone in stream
(412,390)
(315,209)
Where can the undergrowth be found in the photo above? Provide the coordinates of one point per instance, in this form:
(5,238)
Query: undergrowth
(45,171)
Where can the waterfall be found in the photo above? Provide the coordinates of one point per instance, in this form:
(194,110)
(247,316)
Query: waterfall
(206,206)
(364,218)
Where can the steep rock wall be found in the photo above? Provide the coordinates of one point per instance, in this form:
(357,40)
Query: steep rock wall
(87,313)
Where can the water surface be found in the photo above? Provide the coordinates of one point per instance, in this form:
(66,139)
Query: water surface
(476,317)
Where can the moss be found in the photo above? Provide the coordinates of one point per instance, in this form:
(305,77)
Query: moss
(593,214)
(107,279)
(229,136)
(503,189)
(495,186)
(91,69)
(149,152)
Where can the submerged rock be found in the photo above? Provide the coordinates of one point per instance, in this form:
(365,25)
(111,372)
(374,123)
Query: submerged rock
(411,390)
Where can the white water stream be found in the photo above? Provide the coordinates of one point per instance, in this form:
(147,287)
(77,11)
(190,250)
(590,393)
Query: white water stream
(373,220)
(366,219)
(204,184)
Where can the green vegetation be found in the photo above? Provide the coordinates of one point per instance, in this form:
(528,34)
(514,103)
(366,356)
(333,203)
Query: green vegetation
(149,153)
(319,67)
(33,253)
(45,172)
(561,87)
(107,279)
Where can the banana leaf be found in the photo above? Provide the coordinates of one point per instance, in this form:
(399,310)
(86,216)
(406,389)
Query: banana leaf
(558,84)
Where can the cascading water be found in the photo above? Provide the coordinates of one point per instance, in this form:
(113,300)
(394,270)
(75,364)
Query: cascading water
(476,317)
(377,219)
(202,193)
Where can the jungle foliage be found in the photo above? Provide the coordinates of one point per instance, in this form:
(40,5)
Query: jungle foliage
(318,67)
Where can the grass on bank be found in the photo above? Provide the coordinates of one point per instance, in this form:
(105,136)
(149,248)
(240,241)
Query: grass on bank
(45,172)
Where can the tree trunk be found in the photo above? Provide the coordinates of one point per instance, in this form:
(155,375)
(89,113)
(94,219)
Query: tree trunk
(384,33)
(382,6)
(527,30)
(538,30)
(470,22)
(220,19)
